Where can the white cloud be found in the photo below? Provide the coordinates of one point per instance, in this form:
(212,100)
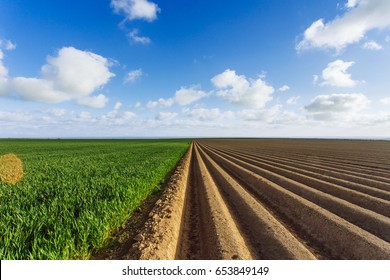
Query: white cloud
(39,90)
(230,86)
(133,35)
(352,3)
(112,114)
(164,116)
(238,89)
(133,76)
(14,117)
(128,115)
(293,100)
(3,86)
(361,17)
(3,69)
(4,82)
(85,117)
(136,9)
(385,101)
(315,79)
(97,102)
(71,75)
(268,115)
(335,74)
(137,105)
(284,88)
(125,118)
(118,106)
(77,72)
(160,102)
(337,106)
(185,96)
(372,45)
(115,118)
(338,102)
(110,119)
(205,114)
(56,112)
(7,45)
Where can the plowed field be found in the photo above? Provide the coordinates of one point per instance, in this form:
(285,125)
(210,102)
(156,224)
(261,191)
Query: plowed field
(275,199)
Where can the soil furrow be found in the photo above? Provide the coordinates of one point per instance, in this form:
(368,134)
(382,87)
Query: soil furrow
(310,179)
(273,199)
(366,219)
(320,156)
(365,183)
(339,237)
(269,239)
(209,231)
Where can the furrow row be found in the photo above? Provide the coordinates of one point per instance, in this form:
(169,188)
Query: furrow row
(362,195)
(341,228)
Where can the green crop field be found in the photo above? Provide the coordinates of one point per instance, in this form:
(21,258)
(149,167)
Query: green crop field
(74,192)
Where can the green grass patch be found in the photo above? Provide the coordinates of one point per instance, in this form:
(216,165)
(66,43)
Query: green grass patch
(74,192)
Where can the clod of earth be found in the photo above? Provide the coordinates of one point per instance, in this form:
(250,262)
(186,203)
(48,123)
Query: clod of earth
(11,169)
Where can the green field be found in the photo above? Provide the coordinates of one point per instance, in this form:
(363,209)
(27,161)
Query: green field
(75,192)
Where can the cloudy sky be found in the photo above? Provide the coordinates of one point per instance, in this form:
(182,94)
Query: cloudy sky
(181,68)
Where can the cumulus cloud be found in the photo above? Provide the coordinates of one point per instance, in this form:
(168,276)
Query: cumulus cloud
(338,102)
(71,75)
(97,102)
(188,95)
(85,117)
(385,101)
(135,38)
(240,90)
(56,112)
(284,88)
(136,9)
(264,115)
(133,76)
(315,79)
(4,82)
(137,105)
(334,106)
(335,74)
(161,102)
(7,45)
(351,3)
(205,114)
(114,117)
(293,100)
(183,96)
(164,116)
(360,17)
(14,116)
(372,45)
(39,90)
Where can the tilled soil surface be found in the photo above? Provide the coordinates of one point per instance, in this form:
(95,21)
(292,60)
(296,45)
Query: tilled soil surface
(273,199)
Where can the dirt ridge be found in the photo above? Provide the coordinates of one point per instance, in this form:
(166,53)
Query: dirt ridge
(272,199)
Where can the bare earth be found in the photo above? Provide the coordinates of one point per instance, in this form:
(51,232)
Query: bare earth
(273,199)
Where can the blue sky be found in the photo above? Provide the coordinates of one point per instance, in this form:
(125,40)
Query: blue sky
(149,68)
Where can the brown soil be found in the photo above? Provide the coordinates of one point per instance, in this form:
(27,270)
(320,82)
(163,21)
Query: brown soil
(271,199)
(11,169)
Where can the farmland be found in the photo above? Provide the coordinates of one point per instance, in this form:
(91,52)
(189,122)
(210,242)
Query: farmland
(75,192)
(275,199)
